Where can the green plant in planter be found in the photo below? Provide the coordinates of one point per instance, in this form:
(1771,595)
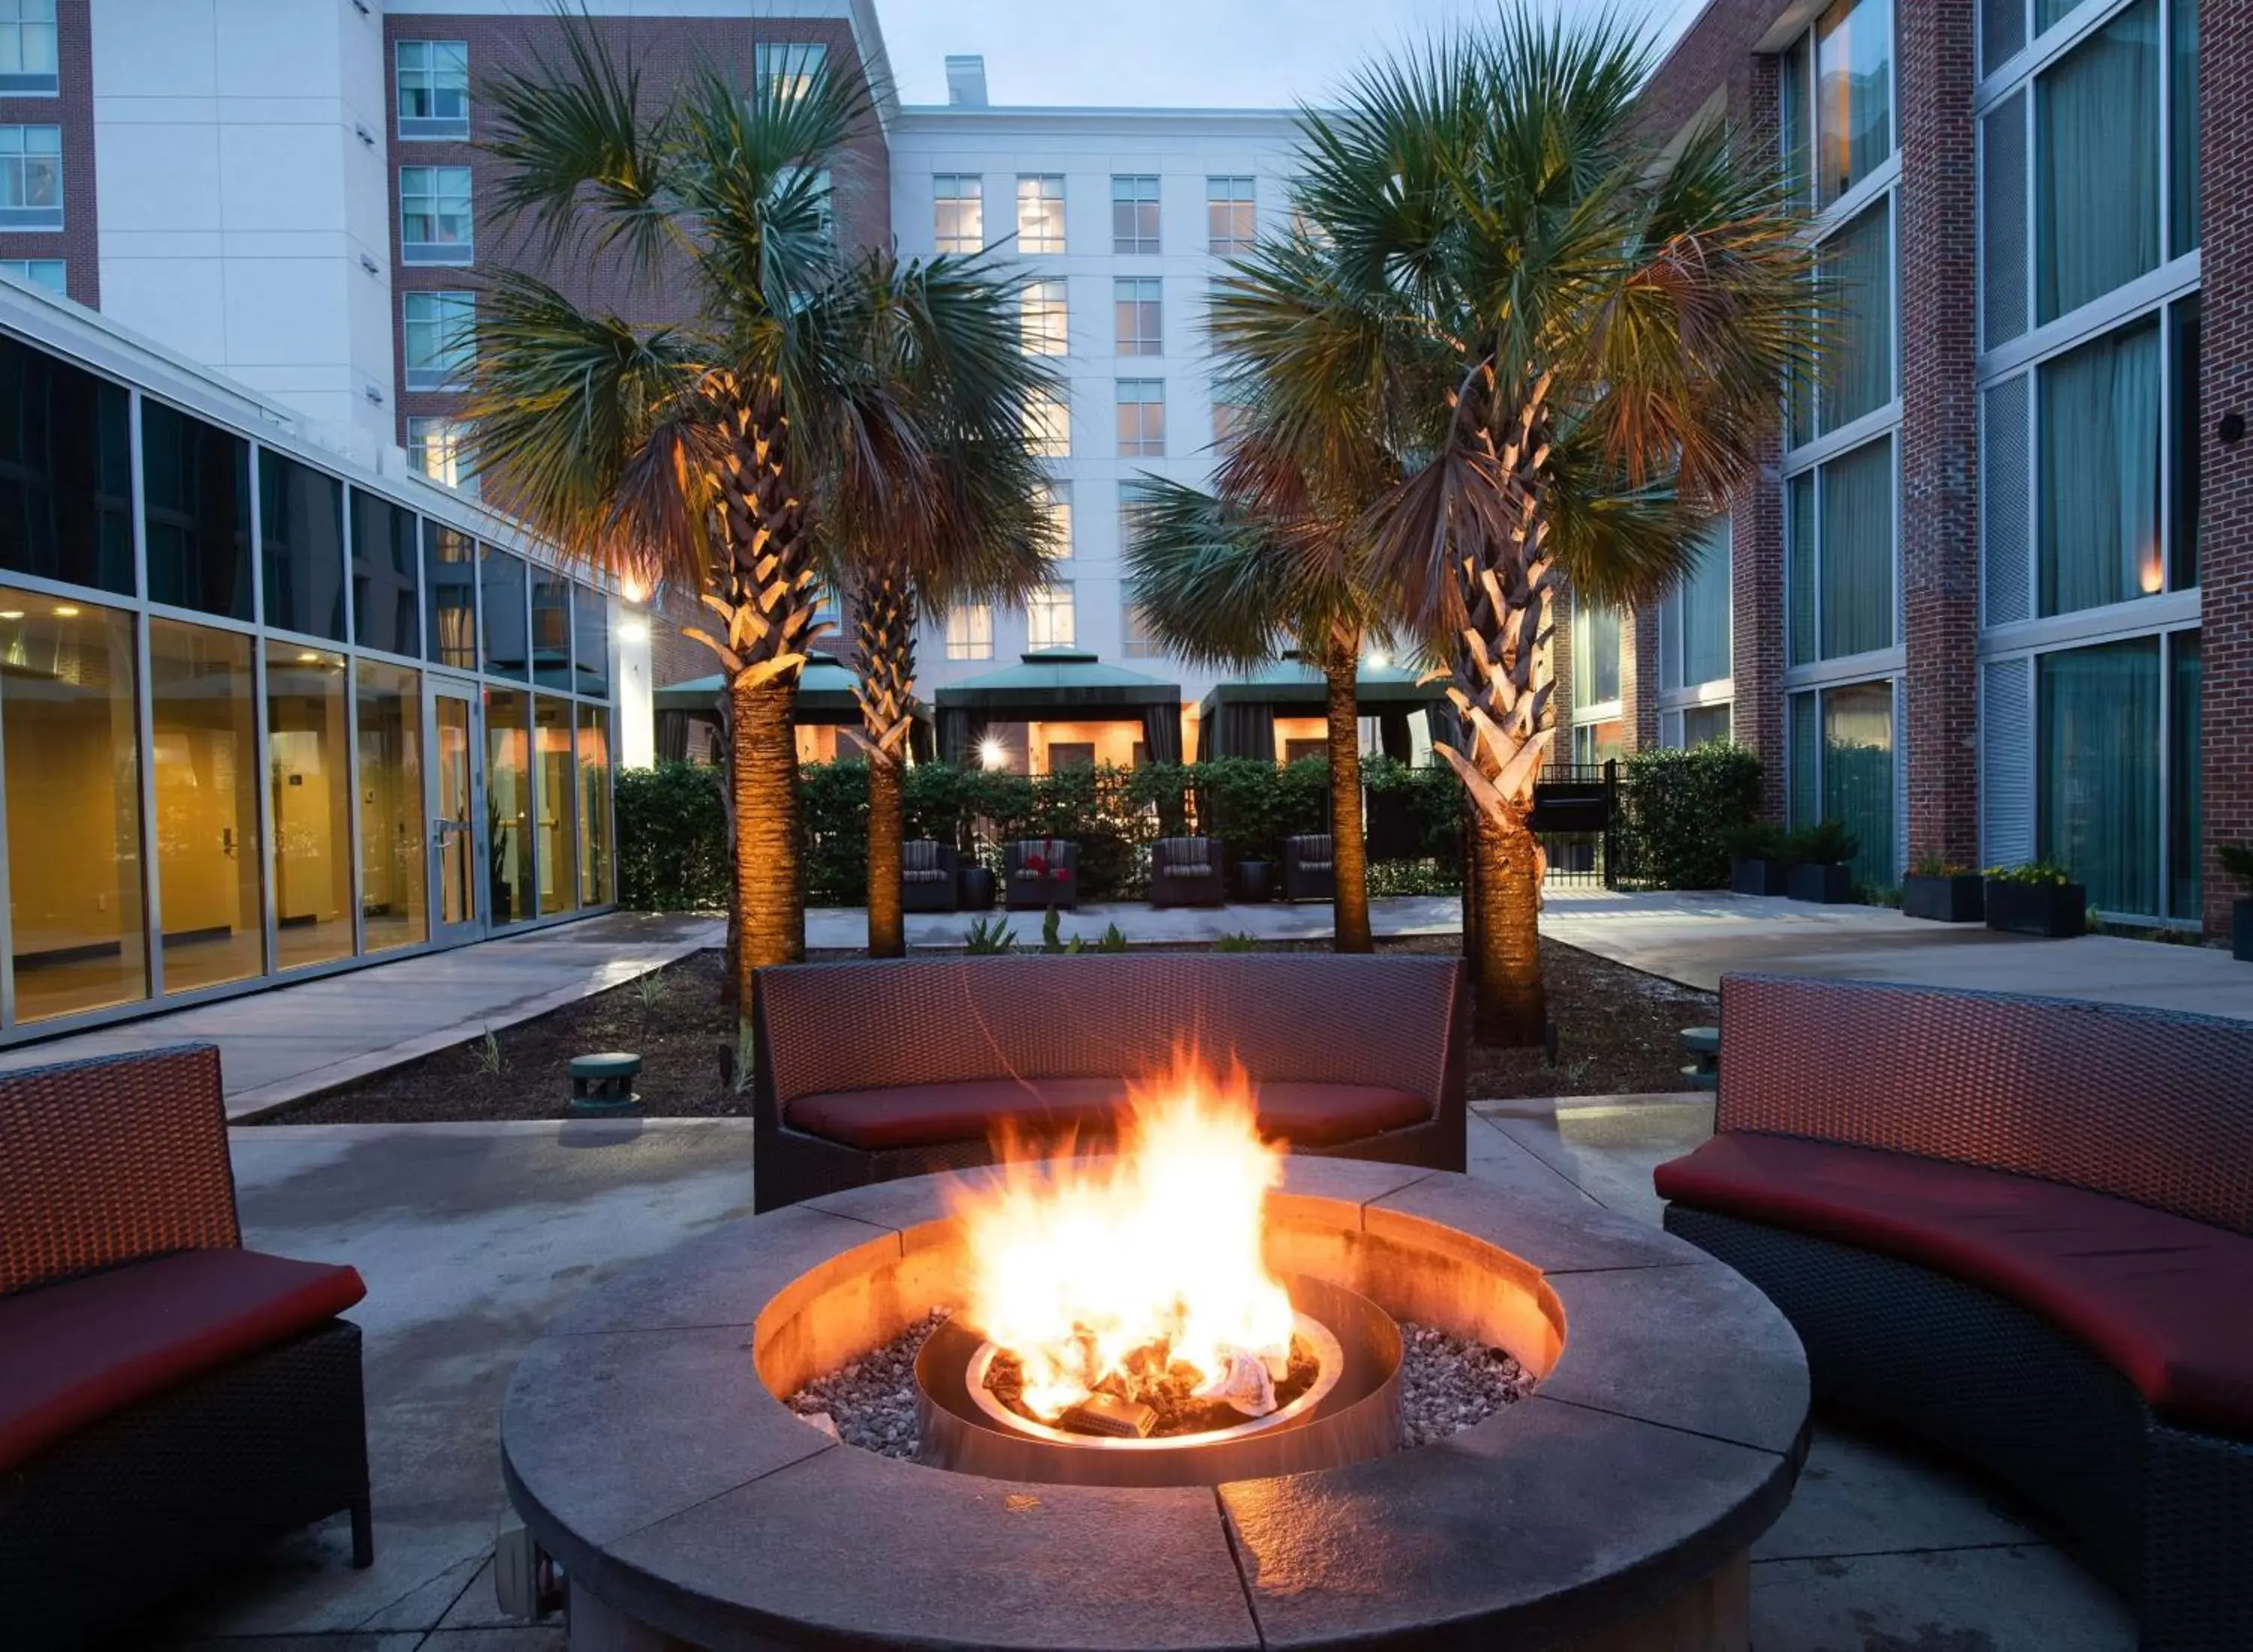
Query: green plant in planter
(1933,866)
(989,934)
(1113,939)
(1827,843)
(2030,872)
(1754,840)
(2237,860)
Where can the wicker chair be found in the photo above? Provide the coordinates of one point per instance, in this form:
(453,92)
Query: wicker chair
(2022,1228)
(1186,872)
(1039,873)
(1308,873)
(927,877)
(1354,1057)
(169,1401)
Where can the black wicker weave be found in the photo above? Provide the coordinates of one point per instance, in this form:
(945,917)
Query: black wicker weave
(106,1162)
(1188,872)
(1394,1022)
(2144,1106)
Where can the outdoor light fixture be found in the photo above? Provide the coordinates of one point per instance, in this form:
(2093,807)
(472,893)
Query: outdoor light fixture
(1379,659)
(633,631)
(991,753)
(309,658)
(63,610)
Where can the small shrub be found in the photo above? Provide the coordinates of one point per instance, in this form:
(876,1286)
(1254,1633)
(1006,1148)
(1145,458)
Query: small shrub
(490,1061)
(2237,860)
(2030,872)
(1754,840)
(1677,809)
(1239,942)
(988,935)
(1052,931)
(740,1071)
(1826,843)
(1113,939)
(651,990)
(1934,865)
(672,839)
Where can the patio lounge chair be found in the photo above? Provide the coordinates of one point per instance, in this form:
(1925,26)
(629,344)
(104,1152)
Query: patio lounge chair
(927,877)
(169,1401)
(1039,873)
(1308,874)
(2022,1228)
(1186,872)
(1355,1057)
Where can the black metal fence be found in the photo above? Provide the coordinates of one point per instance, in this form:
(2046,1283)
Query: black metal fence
(1576,817)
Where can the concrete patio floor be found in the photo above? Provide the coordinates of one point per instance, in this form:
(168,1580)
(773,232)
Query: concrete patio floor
(282,1045)
(472,1236)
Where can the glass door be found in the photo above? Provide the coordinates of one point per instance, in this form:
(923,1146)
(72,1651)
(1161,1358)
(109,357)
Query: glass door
(456,818)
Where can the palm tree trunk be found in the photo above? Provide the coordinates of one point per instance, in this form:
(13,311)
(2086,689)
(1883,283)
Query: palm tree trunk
(1511,1002)
(1349,845)
(770,893)
(888,933)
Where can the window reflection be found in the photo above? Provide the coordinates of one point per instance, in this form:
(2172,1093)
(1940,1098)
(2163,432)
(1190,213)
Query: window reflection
(301,531)
(383,558)
(591,654)
(309,776)
(557,799)
(450,579)
(551,629)
(195,486)
(206,752)
(508,805)
(501,580)
(388,701)
(74,781)
(66,473)
(593,807)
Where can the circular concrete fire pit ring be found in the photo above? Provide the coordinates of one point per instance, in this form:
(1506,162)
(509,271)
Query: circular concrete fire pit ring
(647,1448)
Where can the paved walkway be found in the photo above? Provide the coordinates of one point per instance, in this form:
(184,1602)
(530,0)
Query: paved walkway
(281,1046)
(472,1237)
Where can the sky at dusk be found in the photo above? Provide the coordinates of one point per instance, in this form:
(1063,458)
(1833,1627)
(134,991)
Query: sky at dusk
(1237,53)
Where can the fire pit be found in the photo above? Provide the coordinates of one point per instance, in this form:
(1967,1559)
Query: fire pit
(1229,1472)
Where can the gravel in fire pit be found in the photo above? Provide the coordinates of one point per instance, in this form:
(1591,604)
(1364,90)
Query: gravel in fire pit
(1446,1384)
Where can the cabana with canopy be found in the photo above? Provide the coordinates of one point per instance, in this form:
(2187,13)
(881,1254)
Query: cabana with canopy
(1058,708)
(1278,711)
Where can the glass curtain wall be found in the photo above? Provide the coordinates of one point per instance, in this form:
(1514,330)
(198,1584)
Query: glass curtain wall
(449,586)
(556,801)
(1842,769)
(508,806)
(1703,605)
(2096,155)
(2100,473)
(2097,712)
(66,473)
(309,775)
(388,705)
(593,805)
(205,700)
(68,686)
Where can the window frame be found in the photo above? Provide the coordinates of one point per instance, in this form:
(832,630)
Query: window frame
(957,191)
(1138,316)
(31,147)
(1052,598)
(454,351)
(1134,243)
(443,253)
(1044,318)
(1232,245)
(1042,242)
(969,631)
(1144,444)
(33,83)
(432,128)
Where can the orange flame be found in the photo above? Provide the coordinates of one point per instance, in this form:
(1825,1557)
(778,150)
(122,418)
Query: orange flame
(1077,1265)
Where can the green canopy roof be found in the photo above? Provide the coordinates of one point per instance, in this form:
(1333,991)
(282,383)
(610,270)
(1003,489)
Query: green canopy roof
(825,694)
(1053,683)
(1293,682)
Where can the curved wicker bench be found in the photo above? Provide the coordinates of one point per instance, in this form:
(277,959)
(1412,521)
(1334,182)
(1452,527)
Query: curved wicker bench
(872,1070)
(2022,1228)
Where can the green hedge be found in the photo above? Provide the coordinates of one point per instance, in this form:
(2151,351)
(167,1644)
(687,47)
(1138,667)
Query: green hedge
(672,839)
(1677,809)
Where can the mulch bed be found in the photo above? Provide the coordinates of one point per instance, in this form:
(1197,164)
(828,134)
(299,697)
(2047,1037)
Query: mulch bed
(1618,1033)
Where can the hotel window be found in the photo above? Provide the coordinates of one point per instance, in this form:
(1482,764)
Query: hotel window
(440,339)
(49,273)
(505,626)
(301,531)
(1857,369)
(1230,420)
(1231,213)
(1056,502)
(1049,616)
(1133,214)
(72,749)
(385,556)
(590,641)
(440,449)
(65,473)
(970,631)
(1135,502)
(1706,725)
(450,597)
(1694,617)
(1044,318)
(1841,768)
(1839,573)
(819,195)
(388,710)
(434,215)
(551,629)
(204,704)
(788,69)
(195,488)
(31,177)
(958,212)
(434,88)
(1838,125)
(593,807)
(1595,655)
(1047,424)
(554,804)
(309,781)
(1136,640)
(1040,213)
(509,814)
(1138,309)
(2097,163)
(1142,418)
(28,62)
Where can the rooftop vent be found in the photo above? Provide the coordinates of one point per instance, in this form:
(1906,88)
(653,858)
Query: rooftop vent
(966,81)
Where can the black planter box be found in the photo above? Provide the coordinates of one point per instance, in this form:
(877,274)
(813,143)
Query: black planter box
(977,889)
(2241,931)
(1255,881)
(1828,885)
(1759,875)
(2055,911)
(1959,898)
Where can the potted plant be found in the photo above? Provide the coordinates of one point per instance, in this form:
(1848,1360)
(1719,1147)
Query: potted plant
(1944,892)
(2037,898)
(2237,860)
(1756,859)
(1819,871)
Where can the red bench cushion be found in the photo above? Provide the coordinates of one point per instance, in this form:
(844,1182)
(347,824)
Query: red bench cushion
(1306,1115)
(74,1353)
(2167,1301)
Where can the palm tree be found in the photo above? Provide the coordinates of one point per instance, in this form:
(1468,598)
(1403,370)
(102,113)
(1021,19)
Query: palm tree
(711,449)
(1220,580)
(959,520)
(1548,345)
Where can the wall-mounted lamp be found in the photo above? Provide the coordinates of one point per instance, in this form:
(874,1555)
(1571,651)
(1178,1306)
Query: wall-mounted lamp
(633,631)
(992,753)
(2232,428)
